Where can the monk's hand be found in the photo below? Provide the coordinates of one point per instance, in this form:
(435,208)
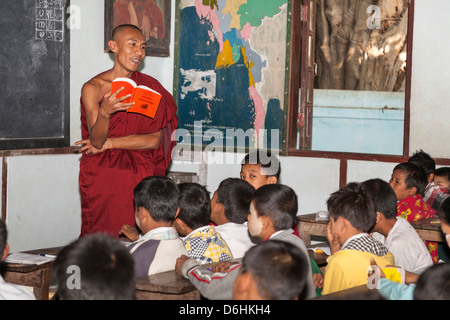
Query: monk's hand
(88,148)
(111,104)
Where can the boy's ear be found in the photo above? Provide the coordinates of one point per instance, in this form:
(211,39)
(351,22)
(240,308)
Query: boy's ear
(5,252)
(266,222)
(412,191)
(176,214)
(242,286)
(271,180)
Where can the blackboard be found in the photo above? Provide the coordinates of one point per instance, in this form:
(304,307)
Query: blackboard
(34,71)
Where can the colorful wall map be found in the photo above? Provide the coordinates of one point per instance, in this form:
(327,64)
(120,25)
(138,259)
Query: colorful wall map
(231,70)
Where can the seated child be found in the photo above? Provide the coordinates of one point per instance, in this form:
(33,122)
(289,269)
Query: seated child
(433,194)
(201,240)
(409,181)
(156,202)
(106,270)
(10,291)
(260,168)
(273,270)
(352,215)
(272,211)
(394,232)
(230,205)
(442,177)
(406,291)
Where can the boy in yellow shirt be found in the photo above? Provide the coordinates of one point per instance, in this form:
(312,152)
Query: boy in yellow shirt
(352,214)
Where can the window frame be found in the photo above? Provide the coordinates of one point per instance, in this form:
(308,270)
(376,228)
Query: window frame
(297,78)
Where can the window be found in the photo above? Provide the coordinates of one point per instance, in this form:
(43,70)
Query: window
(351,61)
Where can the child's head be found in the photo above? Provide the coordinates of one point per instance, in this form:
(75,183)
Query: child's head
(260,168)
(231,201)
(156,197)
(442,177)
(273,208)
(195,208)
(351,204)
(444,216)
(272,270)
(434,283)
(425,161)
(384,196)
(105,268)
(408,179)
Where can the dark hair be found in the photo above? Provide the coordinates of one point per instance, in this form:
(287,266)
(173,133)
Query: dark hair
(415,176)
(354,204)
(3,237)
(278,202)
(105,269)
(424,160)
(235,196)
(195,205)
(444,211)
(266,160)
(278,268)
(159,196)
(384,196)
(443,172)
(121,27)
(434,283)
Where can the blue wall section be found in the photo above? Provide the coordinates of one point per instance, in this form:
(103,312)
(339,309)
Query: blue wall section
(358,121)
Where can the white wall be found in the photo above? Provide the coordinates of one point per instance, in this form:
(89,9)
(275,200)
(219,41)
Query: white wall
(430,88)
(43,208)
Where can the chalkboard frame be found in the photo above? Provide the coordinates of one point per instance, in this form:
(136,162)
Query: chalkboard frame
(51,142)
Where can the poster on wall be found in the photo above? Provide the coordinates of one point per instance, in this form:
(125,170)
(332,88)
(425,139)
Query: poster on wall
(230,72)
(151,16)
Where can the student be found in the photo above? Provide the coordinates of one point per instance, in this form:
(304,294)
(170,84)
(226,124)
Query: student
(442,177)
(394,232)
(260,168)
(230,205)
(10,291)
(120,148)
(433,194)
(409,181)
(95,267)
(352,215)
(273,270)
(272,211)
(434,277)
(201,240)
(156,202)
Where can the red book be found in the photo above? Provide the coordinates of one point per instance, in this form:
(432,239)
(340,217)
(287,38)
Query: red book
(146,100)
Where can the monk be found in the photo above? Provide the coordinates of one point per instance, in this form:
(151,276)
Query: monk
(120,148)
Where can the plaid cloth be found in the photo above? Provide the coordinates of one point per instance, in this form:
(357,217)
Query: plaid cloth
(367,244)
(435,195)
(206,245)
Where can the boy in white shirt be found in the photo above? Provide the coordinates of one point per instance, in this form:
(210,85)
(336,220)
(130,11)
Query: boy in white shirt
(396,233)
(9,291)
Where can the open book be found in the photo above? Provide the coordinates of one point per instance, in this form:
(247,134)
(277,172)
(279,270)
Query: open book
(146,100)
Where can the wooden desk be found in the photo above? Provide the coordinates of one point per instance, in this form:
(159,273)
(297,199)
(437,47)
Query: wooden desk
(36,276)
(165,286)
(361,292)
(307,225)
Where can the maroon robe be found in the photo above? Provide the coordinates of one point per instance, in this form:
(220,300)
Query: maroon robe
(107,179)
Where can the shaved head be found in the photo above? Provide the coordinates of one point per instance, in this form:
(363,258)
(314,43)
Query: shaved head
(119,29)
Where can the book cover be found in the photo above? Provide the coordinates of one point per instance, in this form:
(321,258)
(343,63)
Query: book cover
(146,100)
